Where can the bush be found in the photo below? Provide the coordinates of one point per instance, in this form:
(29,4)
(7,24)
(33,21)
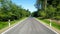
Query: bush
(57,17)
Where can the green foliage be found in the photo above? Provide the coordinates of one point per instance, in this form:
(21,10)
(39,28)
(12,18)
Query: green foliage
(35,14)
(58,13)
(42,13)
(9,10)
(52,9)
(3,24)
(54,24)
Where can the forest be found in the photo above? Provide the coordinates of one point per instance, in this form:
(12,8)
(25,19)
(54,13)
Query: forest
(47,9)
(11,11)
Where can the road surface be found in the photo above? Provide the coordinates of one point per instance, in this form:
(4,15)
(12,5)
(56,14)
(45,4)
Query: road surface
(30,26)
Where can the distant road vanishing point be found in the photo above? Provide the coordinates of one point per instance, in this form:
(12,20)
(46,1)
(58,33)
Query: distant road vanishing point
(30,26)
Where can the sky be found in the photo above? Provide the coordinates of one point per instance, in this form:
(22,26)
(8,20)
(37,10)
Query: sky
(26,4)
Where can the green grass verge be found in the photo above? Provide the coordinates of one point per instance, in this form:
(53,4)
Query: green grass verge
(5,24)
(54,24)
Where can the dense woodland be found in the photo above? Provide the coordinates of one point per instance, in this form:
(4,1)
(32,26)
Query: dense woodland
(47,9)
(9,10)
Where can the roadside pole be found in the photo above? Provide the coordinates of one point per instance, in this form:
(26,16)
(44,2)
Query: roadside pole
(50,23)
(9,23)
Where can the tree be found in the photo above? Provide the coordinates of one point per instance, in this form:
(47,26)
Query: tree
(42,14)
(38,4)
(49,8)
(50,11)
(41,4)
(9,10)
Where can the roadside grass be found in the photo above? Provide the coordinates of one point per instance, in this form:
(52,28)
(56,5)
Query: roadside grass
(54,24)
(5,24)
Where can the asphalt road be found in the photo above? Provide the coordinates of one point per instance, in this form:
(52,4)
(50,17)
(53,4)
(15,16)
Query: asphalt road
(30,26)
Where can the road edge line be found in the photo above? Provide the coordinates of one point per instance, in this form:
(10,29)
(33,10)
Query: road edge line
(13,26)
(46,26)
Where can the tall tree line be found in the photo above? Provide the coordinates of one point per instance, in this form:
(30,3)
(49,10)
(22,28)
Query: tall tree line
(49,9)
(9,10)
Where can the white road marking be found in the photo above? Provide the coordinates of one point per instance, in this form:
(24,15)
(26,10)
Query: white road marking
(47,26)
(13,26)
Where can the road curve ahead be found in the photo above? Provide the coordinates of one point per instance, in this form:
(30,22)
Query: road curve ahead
(30,26)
